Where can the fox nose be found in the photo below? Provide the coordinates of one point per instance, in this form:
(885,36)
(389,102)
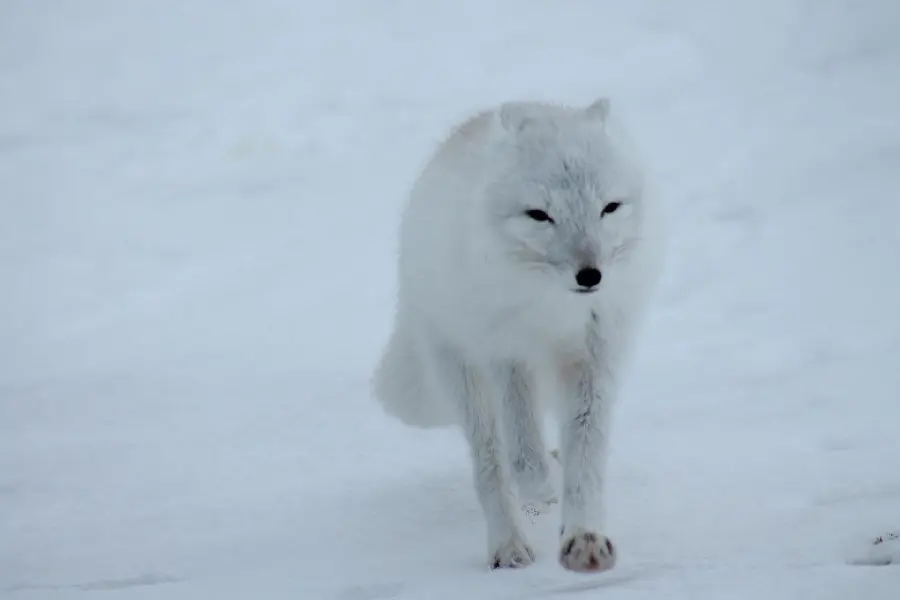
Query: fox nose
(588,277)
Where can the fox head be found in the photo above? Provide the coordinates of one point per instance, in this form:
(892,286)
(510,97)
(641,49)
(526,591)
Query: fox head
(567,204)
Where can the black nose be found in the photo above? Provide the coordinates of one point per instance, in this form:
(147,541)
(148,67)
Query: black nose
(588,277)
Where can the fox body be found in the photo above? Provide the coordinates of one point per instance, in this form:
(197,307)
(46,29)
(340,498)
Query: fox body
(528,247)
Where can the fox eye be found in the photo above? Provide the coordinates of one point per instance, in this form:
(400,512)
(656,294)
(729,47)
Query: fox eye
(610,208)
(539,215)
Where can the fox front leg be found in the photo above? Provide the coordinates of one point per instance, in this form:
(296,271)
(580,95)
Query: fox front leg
(588,389)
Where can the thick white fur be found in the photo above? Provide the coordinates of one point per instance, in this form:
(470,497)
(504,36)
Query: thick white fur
(487,308)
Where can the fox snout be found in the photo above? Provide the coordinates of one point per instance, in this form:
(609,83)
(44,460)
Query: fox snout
(588,278)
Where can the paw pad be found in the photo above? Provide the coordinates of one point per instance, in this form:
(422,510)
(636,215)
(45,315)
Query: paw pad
(587,552)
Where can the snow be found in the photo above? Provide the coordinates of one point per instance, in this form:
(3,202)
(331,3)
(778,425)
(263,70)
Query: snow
(197,232)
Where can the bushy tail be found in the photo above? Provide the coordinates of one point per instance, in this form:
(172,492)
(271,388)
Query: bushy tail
(399,385)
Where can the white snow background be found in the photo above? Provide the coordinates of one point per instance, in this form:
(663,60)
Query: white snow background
(198,203)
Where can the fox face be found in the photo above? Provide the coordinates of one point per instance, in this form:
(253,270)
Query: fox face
(575,216)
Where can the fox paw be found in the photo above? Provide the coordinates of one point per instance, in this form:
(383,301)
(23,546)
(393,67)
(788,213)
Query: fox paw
(587,552)
(515,553)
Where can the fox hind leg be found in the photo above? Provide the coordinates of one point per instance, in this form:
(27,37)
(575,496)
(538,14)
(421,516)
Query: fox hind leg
(472,390)
(528,457)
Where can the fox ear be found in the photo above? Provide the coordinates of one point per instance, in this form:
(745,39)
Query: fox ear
(514,118)
(599,110)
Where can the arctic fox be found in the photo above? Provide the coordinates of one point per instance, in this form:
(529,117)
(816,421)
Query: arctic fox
(528,246)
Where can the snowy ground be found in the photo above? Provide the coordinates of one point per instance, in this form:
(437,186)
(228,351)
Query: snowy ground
(198,202)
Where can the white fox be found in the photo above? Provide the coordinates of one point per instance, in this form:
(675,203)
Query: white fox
(528,247)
